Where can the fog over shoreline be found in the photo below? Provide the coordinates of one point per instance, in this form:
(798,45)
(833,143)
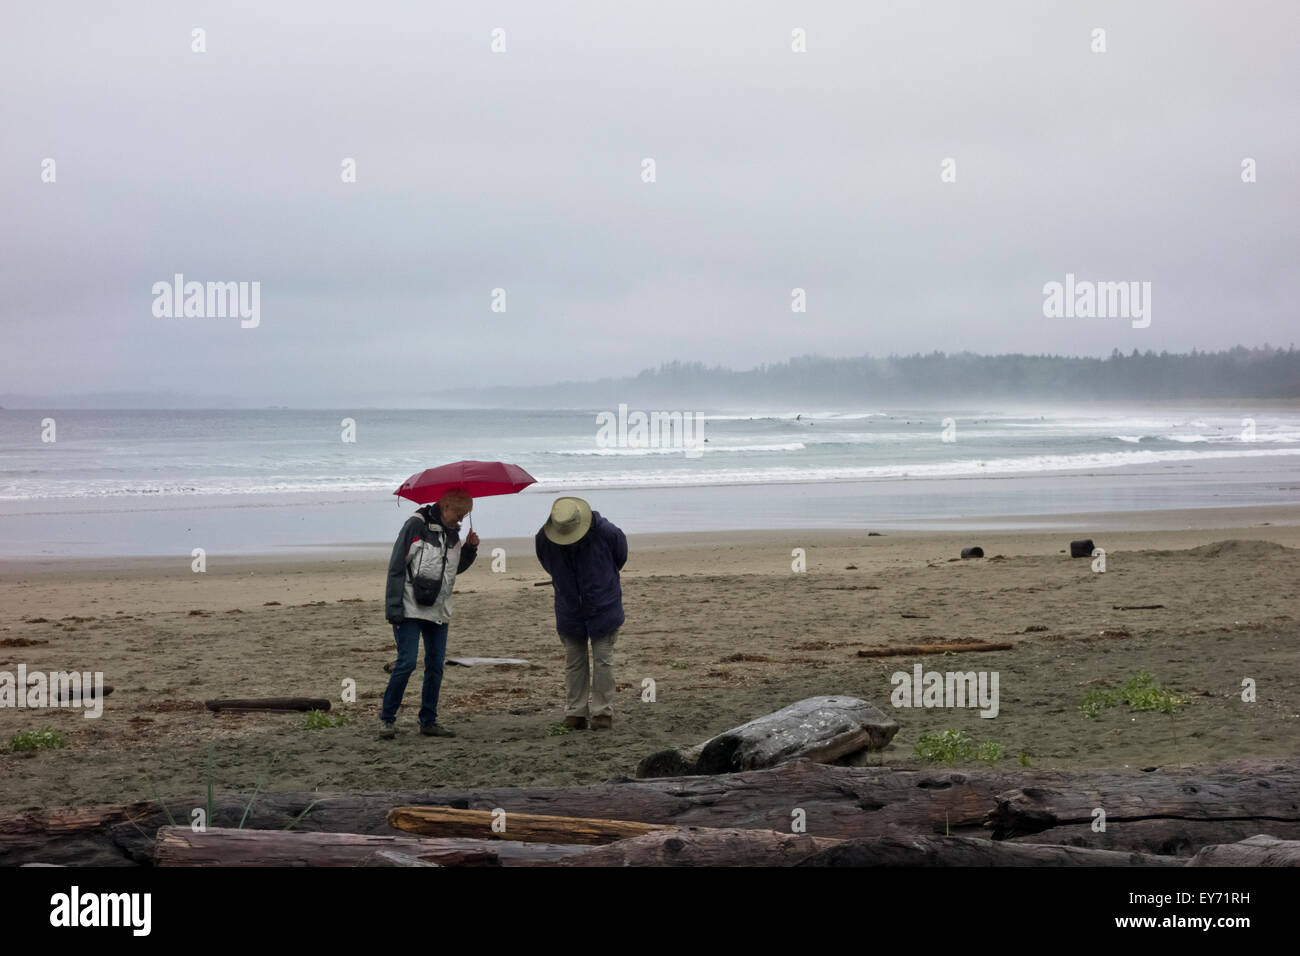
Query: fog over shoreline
(811,382)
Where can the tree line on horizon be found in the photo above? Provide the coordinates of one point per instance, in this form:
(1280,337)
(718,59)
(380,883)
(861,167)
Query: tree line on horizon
(1240,372)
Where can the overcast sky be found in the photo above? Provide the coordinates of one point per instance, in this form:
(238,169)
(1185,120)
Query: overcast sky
(522,170)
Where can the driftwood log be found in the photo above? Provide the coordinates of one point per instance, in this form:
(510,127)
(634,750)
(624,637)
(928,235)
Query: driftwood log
(87,693)
(1168,812)
(694,847)
(491,661)
(1173,812)
(269,703)
(823,729)
(917,850)
(523,827)
(181,846)
(1258,850)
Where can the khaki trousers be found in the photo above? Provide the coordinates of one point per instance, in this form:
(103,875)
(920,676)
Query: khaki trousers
(596,676)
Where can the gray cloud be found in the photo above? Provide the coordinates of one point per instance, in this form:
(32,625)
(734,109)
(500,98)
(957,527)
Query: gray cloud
(775,170)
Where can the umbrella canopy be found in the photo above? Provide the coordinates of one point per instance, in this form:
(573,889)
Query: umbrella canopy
(478,479)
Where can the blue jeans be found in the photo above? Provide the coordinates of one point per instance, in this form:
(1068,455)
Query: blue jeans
(407,635)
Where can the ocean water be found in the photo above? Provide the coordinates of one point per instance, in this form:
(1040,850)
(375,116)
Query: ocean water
(156,482)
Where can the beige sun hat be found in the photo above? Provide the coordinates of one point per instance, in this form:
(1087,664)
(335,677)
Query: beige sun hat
(570,519)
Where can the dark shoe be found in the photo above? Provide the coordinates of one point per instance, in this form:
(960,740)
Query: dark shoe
(387,729)
(576,723)
(604,722)
(436,730)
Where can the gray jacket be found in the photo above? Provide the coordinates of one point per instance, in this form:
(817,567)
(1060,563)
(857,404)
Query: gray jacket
(419,550)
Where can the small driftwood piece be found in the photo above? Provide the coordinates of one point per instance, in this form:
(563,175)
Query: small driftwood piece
(472,661)
(821,729)
(268,703)
(87,694)
(520,827)
(913,650)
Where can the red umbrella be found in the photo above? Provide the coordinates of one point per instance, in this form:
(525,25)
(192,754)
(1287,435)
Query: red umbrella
(478,479)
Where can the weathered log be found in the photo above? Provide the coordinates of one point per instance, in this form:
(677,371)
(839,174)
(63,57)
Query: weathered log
(1167,812)
(217,846)
(82,836)
(269,703)
(1259,850)
(839,802)
(523,827)
(822,729)
(676,762)
(918,850)
(1172,836)
(1082,548)
(181,846)
(918,650)
(709,847)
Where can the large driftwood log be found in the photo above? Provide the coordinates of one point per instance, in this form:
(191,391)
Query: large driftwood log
(1259,850)
(181,846)
(839,802)
(917,850)
(823,729)
(695,847)
(1170,811)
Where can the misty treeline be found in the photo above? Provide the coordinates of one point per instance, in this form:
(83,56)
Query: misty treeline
(1236,373)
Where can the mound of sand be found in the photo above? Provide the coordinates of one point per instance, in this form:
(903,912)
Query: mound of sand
(1241,548)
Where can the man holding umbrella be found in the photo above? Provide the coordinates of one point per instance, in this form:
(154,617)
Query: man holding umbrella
(584,553)
(426,558)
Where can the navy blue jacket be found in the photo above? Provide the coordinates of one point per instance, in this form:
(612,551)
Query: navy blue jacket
(584,576)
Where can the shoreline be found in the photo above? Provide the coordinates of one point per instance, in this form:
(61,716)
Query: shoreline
(1250,521)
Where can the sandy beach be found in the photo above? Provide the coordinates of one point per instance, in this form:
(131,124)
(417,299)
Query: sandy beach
(720,622)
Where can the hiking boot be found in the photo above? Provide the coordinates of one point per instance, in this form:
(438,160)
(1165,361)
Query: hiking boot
(575,723)
(603,722)
(387,729)
(436,730)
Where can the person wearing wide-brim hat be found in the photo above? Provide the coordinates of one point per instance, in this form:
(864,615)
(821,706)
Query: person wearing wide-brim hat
(584,553)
